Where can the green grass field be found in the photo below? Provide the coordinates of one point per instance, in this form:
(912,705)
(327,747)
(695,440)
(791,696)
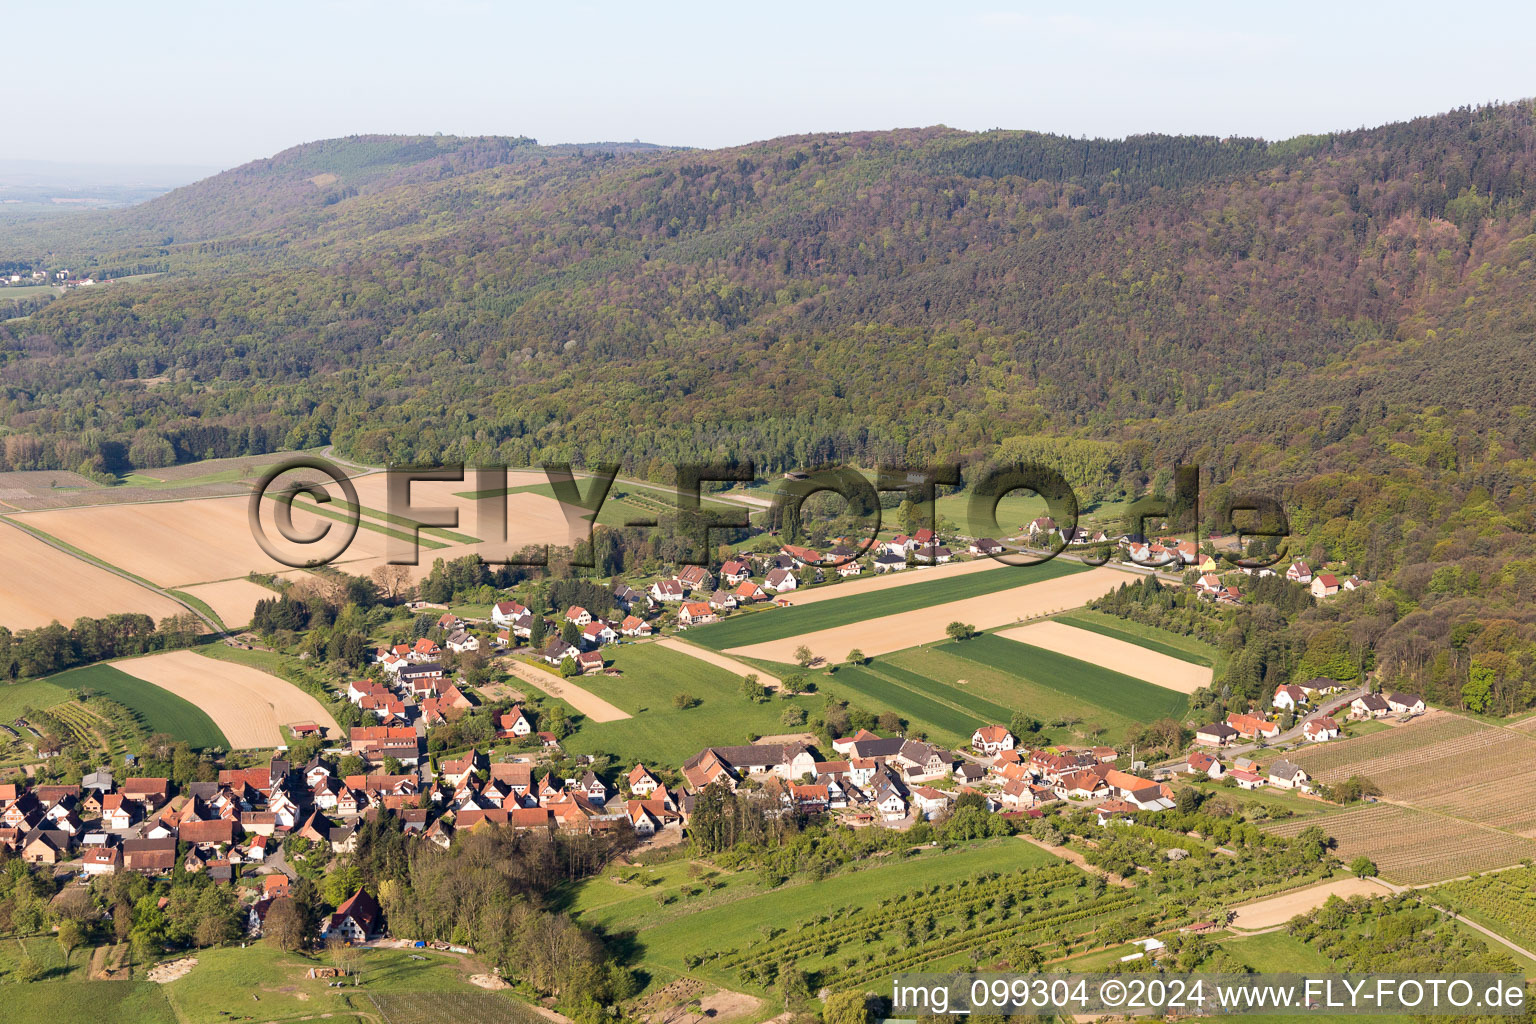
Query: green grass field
(659,732)
(1185,648)
(161,710)
(37,693)
(777,623)
(1009,688)
(80,1002)
(267,983)
(1108,691)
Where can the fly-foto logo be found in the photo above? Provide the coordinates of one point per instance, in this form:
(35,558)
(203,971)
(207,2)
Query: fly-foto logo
(337,518)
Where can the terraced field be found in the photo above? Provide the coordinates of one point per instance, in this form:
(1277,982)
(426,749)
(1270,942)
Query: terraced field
(1442,762)
(1415,847)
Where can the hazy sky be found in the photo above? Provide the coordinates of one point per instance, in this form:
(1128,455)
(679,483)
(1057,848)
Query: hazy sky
(216,84)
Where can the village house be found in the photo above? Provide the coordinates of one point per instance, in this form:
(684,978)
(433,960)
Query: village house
(1289,697)
(670,591)
(1369,705)
(985,546)
(1216,734)
(1405,703)
(889,562)
(1199,763)
(1253,727)
(1319,730)
(1325,585)
(504,613)
(641,782)
(461,642)
(694,577)
(633,625)
(780,581)
(357,919)
(991,739)
(513,725)
(1299,572)
(696,613)
(1286,775)
(735,572)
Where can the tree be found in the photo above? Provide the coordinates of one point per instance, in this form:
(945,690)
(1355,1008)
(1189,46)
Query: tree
(960,631)
(753,690)
(1477,693)
(792,717)
(536,632)
(1362,867)
(803,656)
(794,683)
(69,937)
(570,633)
(287,925)
(684,701)
(855,657)
(569,669)
(846,1008)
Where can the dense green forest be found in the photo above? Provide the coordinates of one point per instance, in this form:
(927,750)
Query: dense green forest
(1344,320)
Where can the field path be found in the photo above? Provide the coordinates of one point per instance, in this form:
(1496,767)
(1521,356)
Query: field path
(585,701)
(731,665)
(1277,910)
(1117,655)
(897,632)
(1077,860)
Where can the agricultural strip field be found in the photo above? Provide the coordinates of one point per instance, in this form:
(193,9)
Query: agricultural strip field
(177,543)
(927,624)
(161,709)
(1113,654)
(1414,847)
(986,685)
(850,929)
(247,705)
(1185,648)
(1109,690)
(532,519)
(1441,762)
(234,601)
(659,731)
(44,584)
(757,627)
(877,692)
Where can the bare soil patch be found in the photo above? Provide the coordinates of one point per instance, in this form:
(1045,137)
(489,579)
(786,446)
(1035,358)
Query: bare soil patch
(1116,655)
(245,703)
(1280,909)
(168,972)
(43,583)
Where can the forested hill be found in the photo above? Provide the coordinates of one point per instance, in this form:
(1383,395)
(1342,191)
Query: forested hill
(911,294)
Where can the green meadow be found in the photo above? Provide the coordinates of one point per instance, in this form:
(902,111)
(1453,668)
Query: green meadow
(662,733)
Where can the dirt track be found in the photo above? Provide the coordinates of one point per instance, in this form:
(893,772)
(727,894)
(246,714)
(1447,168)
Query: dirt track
(926,625)
(1116,655)
(588,703)
(1280,909)
(721,661)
